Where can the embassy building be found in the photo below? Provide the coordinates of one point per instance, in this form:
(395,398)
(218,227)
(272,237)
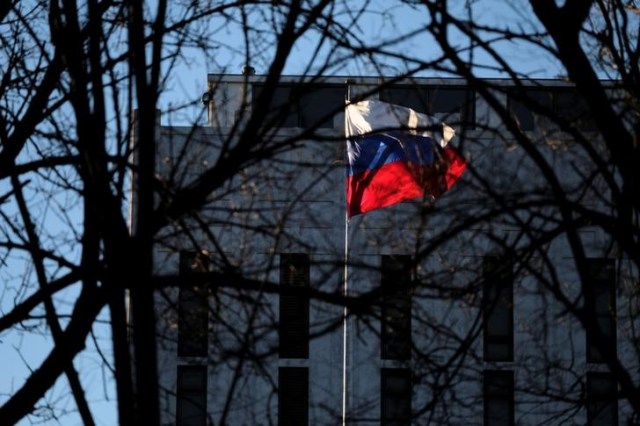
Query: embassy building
(465,309)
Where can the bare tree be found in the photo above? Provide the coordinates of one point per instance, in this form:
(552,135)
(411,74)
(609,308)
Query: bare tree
(79,130)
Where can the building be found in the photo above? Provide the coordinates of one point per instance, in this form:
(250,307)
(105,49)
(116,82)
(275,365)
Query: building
(464,311)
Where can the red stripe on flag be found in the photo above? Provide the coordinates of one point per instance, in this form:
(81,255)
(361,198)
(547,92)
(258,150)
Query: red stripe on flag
(457,166)
(378,188)
(399,181)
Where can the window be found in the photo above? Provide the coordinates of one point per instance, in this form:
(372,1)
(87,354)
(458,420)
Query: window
(600,294)
(602,402)
(293,396)
(282,112)
(563,102)
(191,401)
(294,306)
(414,97)
(396,396)
(570,106)
(318,105)
(518,106)
(306,106)
(192,306)
(497,309)
(454,105)
(395,333)
(453,100)
(499,402)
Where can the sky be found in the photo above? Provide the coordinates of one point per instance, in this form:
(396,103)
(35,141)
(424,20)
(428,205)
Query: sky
(383,20)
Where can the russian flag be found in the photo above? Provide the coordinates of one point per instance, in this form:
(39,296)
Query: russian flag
(396,154)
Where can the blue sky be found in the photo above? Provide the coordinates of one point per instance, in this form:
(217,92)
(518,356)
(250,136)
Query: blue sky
(377,26)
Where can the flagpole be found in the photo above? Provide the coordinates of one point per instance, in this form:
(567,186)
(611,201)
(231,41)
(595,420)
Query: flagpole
(345,314)
(345,289)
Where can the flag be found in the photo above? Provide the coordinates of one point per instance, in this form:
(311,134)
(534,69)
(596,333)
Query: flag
(396,154)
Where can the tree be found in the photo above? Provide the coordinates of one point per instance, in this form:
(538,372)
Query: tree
(73,75)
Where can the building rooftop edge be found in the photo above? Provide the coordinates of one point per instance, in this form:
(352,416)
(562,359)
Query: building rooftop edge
(374,80)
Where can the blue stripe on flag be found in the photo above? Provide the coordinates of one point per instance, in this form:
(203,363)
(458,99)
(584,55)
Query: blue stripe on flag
(373,151)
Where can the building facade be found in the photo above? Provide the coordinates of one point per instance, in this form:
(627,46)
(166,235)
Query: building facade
(461,310)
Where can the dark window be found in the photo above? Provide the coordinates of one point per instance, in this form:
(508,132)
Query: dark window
(191,403)
(563,102)
(519,106)
(446,101)
(570,106)
(602,401)
(497,309)
(395,333)
(396,396)
(600,294)
(450,100)
(306,106)
(293,396)
(282,110)
(319,104)
(414,97)
(294,306)
(499,402)
(192,306)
